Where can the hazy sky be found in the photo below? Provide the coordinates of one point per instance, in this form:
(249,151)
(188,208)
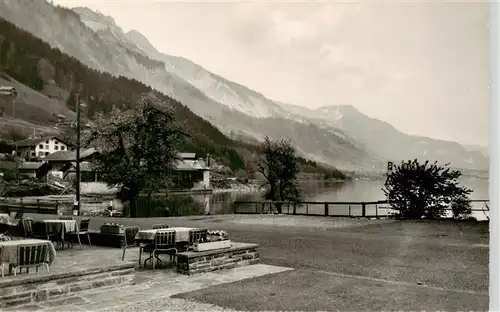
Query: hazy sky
(421,66)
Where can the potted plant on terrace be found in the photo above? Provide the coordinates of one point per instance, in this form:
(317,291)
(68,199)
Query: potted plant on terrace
(112,228)
(215,240)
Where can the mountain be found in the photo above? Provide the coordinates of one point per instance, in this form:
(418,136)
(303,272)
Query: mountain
(44,79)
(95,40)
(478,148)
(236,110)
(383,139)
(374,136)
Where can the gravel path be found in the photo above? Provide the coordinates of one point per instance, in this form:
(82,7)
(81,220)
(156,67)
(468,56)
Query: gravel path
(167,304)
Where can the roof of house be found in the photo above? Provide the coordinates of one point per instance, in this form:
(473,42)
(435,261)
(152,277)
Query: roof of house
(30,165)
(191,165)
(7,165)
(36,141)
(187,155)
(24,165)
(70,155)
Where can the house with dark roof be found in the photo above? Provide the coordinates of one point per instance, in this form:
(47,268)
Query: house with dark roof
(64,162)
(32,169)
(190,171)
(40,147)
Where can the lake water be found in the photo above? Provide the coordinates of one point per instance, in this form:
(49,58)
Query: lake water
(357,190)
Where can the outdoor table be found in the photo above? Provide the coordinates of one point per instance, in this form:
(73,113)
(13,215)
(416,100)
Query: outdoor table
(181,234)
(8,253)
(67,226)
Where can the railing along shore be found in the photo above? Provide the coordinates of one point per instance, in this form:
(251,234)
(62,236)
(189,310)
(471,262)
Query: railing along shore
(368,209)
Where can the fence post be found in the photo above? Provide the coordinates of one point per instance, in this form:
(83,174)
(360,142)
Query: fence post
(350,211)
(326,209)
(363,209)
(22,206)
(57,207)
(38,205)
(376,211)
(294,208)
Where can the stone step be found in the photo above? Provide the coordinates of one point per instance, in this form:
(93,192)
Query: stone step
(32,290)
(150,287)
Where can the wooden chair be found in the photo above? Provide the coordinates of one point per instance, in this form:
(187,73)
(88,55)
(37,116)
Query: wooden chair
(160,226)
(29,256)
(164,243)
(195,236)
(129,237)
(83,229)
(40,230)
(54,232)
(27,227)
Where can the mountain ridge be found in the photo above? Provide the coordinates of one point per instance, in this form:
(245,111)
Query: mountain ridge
(118,60)
(32,59)
(231,107)
(386,140)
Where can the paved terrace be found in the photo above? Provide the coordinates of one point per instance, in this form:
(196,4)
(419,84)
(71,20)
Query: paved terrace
(338,264)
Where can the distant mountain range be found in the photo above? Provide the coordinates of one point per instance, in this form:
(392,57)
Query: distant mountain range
(337,135)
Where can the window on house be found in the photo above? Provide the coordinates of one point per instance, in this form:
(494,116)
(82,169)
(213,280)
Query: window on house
(56,142)
(32,153)
(56,147)
(62,148)
(46,147)
(40,146)
(46,153)
(40,153)
(47,142)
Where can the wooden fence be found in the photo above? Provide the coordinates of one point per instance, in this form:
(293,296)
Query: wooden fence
(372,209)
(32,206)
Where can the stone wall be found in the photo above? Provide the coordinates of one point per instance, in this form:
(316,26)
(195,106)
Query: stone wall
(26,289)
(240,254)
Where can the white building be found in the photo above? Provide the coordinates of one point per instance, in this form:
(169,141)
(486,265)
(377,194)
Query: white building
(39,147)
(7,90)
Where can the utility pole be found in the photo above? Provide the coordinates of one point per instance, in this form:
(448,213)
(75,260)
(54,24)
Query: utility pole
(76,207)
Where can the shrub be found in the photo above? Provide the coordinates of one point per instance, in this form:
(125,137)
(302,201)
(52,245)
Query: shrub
(419,191)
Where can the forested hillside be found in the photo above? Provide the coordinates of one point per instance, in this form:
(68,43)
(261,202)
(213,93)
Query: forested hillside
(34,63)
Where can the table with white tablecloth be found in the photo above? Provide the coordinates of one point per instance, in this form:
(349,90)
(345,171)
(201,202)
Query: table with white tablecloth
(181,234)
(9,250)
(67,226)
